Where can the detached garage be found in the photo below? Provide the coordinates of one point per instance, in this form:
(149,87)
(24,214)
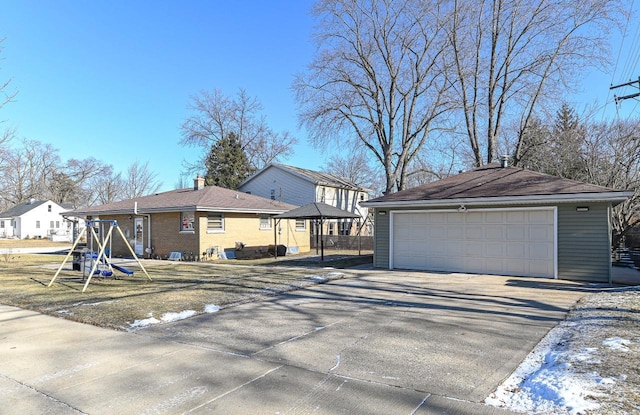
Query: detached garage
(498,220)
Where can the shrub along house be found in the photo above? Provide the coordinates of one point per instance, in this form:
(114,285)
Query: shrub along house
(498,220)
(198,221)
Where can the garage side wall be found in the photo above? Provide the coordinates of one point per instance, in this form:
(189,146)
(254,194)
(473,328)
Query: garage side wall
(381,239)
(584,247)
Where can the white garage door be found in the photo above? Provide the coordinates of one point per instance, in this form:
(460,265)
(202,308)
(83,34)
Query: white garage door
(502,242)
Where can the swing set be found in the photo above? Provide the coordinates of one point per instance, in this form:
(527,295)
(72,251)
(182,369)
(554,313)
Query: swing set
(100,262)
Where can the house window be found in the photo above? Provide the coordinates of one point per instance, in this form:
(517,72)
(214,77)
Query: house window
(362,197)
(344,228)
(186,221)
(57,224)
(265,221)
(37,224)
(49,208)
(215,222)
(51,225)
(1,224)
(273,194)
(301,224)
(330,230)
(322,194)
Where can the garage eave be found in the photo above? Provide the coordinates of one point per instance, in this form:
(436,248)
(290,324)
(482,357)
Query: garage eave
(607,197)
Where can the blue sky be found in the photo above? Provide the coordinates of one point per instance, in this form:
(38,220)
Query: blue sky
(112,79)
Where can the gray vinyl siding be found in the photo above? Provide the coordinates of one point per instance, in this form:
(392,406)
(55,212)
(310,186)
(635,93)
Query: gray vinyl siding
(381,239)
(286,187)
(584,247)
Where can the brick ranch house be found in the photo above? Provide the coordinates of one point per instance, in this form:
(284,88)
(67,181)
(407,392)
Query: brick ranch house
(199,221)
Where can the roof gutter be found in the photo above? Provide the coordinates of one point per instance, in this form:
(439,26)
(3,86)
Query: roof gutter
(613,197)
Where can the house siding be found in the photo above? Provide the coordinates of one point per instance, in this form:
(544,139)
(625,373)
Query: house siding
(584,247)
(583,240)
(287,187)
(381,238)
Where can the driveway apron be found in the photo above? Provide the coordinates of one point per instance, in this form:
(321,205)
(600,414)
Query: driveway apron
(374,342)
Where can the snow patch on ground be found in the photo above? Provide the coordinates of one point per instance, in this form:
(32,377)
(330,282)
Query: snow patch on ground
(552,379)
(325,277)
(170,317)
(617,343)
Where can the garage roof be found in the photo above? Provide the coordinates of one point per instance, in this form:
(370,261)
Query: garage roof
(494,184)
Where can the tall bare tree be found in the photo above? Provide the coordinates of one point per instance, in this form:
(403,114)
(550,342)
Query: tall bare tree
(107,188)
(6,95)
(511,56)
(352,163)
(140,181)
(72,182)
(26,172)
(379,76)
(216,116)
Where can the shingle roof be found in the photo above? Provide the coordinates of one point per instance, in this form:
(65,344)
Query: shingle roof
(317,210)
(21,209)
(209,198)
(495,182)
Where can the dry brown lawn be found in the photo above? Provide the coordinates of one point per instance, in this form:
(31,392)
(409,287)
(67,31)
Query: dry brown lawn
(118,302)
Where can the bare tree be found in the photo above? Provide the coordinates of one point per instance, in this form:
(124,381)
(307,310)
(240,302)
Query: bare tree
(107,188)
(612,159)
(140,181)
(511,56)
(6,95)
(352,163)
(26,172)
(216,116)
(72,182)
(379,76)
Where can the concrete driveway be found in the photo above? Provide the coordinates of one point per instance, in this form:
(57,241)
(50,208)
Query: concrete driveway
(375,342)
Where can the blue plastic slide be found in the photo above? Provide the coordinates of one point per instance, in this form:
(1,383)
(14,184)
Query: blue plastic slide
(122,269)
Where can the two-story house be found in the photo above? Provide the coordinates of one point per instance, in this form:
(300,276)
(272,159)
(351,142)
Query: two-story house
(36,219)
(300,186)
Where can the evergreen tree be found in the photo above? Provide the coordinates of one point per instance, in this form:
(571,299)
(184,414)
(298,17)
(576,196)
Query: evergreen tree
(227,164)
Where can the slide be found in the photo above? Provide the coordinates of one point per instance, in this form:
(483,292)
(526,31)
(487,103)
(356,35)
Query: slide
(122,269)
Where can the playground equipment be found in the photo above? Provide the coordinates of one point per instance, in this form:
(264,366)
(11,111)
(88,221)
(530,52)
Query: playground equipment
(100,263)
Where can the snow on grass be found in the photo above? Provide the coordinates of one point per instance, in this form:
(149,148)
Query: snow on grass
(545,382)
(557,377)
(170,317)
(210,308)
(617,343)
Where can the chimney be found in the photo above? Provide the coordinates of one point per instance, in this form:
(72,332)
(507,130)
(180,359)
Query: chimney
(504,161)
(198,183)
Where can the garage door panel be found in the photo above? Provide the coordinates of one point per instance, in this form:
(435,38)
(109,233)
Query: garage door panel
(540,251)
(507,242)
(455,232)
(516,233)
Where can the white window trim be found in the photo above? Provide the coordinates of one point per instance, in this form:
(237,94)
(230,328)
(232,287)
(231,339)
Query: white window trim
(214,231)
(269,225)
(302,228)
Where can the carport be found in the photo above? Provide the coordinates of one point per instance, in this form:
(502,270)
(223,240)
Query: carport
(318,212)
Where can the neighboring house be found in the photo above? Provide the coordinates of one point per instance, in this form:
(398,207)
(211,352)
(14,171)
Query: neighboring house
(301,186)
(36,219)
(198,220)
(498,220)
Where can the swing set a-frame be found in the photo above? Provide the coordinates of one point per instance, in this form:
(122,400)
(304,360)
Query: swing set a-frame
(103,258)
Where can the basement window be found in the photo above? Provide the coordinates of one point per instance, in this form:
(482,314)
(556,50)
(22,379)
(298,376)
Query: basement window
(215,223)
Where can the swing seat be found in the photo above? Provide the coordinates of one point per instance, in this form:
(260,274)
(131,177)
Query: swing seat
(107,273)
(96,272)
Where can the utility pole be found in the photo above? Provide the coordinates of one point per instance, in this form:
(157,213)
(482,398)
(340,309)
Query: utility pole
(636,83)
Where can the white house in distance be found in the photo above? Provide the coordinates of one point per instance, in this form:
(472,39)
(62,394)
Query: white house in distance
(36,219)
(299,186)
